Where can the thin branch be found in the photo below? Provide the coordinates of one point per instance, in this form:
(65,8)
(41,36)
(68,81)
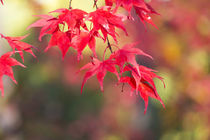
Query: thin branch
(95,4)
(122,87)
(70,4)
(109,45)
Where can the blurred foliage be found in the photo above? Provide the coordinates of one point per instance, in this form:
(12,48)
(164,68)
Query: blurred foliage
(47,104)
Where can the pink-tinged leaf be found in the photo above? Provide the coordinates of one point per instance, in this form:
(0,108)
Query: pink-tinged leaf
(143,10)
(74,18)
(148,75)
(62,40)
(135,73)
(146,85)
(41,22)
(127,54)
(145,90)
(48,23)
(77,35)
(106,20)
(6,63)
(61,10)
(98,68)
(79,42)
(16,44)
(92,45)
(143,15)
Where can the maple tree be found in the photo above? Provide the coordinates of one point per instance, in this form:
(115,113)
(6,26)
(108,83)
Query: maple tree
(70,29)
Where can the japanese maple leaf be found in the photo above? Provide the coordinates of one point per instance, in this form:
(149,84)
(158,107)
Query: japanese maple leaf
(98,68)
(65,40)
(79,42)
(73,17)
(143,10)
(48,23)
(127,54)
(105,20)
(143,13)
(62,40)
(73,37)
(146,86)
(15,43)
(148,75)
(6,63)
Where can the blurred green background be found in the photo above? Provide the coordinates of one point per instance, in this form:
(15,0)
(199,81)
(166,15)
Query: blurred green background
(47,104)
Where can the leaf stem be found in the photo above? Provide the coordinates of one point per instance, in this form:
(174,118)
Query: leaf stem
(107,38)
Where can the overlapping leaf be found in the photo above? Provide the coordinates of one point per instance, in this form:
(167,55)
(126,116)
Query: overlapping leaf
(143,10)
(74,18)
(6,63)
(127,54)
(62,40)
(98,68)
(48,23)
(73,37)
(146,86)
(16,44)
(80,41)
(105,20)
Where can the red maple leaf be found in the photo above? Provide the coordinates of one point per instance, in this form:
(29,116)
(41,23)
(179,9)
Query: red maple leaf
(84,38)
(146,86)
(98,68)
(48,23)
(144,12)
(15,43)
(2,2)
(62,40)
(127,54)
(105,20)
(73,17)
(79,42)
(6,63)
(142,9)
(65,40)
(73,37)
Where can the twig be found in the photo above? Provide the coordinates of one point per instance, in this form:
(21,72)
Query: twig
(70,4)
(109,45)
(95,4)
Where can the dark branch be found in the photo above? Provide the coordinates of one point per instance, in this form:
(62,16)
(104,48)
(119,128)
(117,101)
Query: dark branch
(95,4)
(109,45)
(70,4)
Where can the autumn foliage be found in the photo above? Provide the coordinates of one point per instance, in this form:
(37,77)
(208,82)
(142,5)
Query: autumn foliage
(70,29)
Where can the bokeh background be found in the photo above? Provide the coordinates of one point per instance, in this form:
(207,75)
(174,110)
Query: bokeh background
(47,104)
